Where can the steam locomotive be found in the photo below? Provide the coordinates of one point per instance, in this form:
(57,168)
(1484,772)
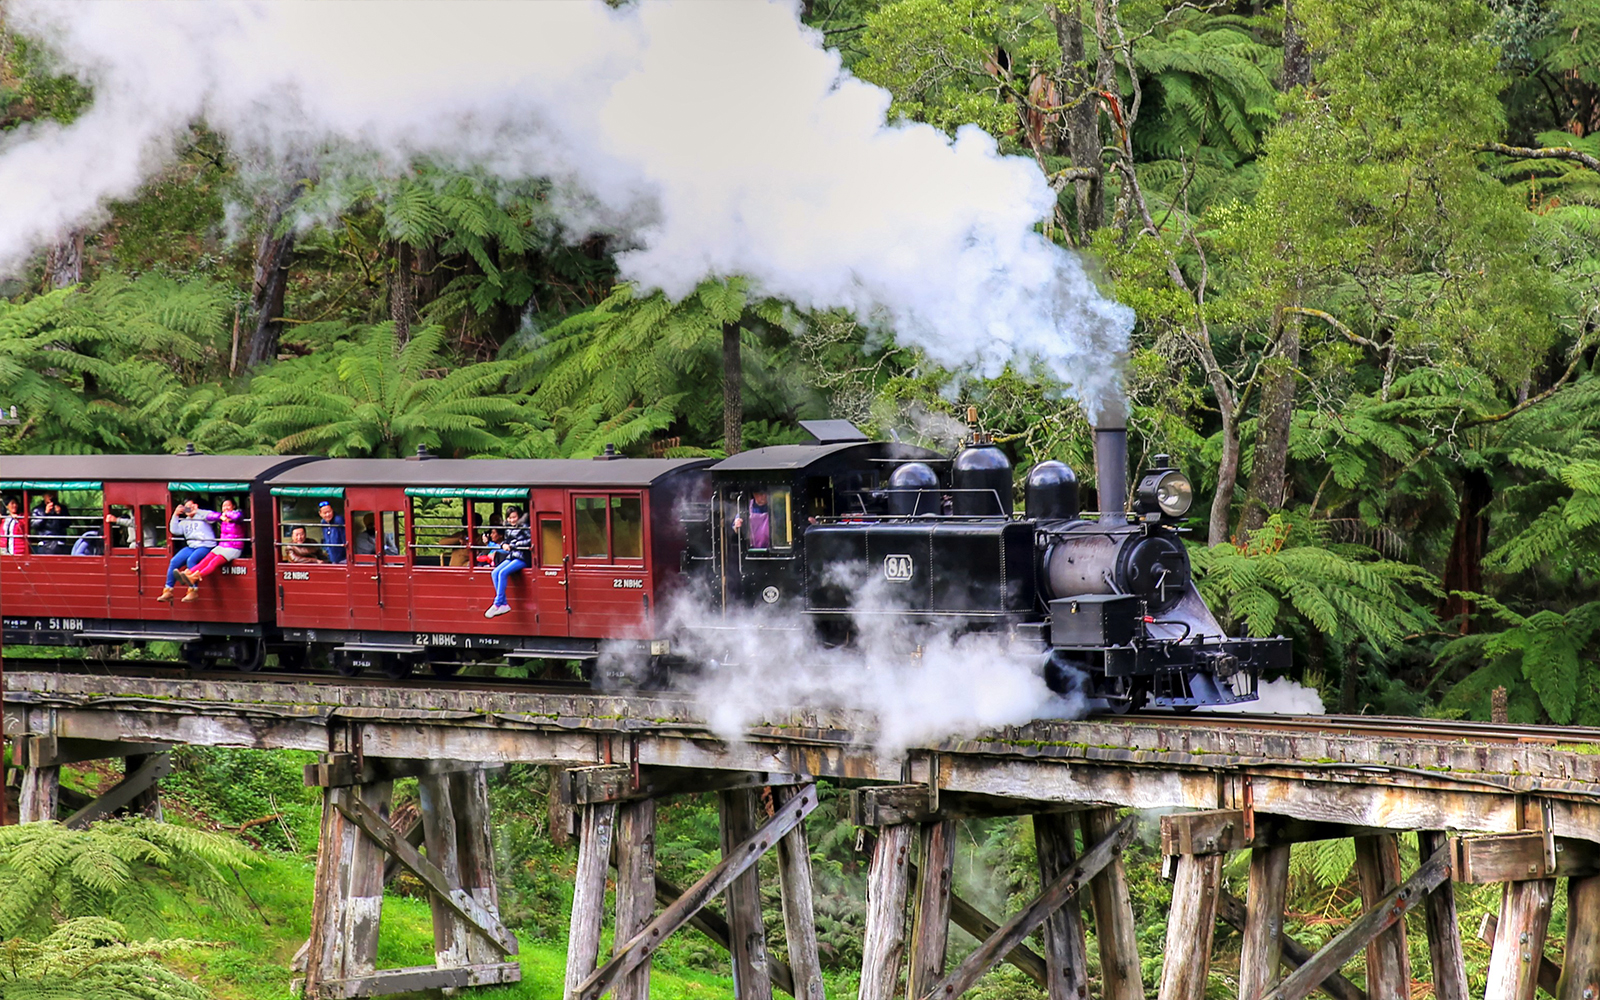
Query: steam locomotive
(858,531)
(386,564)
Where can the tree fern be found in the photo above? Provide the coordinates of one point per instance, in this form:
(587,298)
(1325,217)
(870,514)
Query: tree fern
(91,958)
(49,872)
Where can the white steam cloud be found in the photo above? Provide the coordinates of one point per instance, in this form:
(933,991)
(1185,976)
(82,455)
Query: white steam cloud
(714,138)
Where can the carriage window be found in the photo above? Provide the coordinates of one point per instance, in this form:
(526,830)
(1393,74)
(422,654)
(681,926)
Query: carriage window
(627,528)
(552,548)
(153,525)
(439,527)
(766,515)
(365,528)
(123,529)
(70,522)
(591,524)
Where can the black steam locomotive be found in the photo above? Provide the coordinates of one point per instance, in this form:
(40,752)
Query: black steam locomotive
(859,534)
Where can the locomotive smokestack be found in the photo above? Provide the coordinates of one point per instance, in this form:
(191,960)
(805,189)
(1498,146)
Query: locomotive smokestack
(1111,457)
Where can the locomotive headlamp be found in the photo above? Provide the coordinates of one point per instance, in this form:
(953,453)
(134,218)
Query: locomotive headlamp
(1164,490)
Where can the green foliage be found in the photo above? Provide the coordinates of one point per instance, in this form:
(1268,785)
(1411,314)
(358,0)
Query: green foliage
(1547,649)
(1206,87)
(1290,578)
(91,958)
(50,873)
(378,398)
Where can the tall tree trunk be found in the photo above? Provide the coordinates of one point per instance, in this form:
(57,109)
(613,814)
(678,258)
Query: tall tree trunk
(1227,476)
(732,390)
(1296,58)
(64,265)
(400,291)
(1078,86)
(1463,569)
(1270,476)
(273,257)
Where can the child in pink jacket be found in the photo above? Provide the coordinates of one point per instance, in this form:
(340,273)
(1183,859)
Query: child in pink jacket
(230,544)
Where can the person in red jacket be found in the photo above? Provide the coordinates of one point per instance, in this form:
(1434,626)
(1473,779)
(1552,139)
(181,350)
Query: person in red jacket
(14,530)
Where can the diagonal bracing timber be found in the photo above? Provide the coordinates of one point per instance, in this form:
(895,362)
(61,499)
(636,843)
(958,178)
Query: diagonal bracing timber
(717,880)
(1294,954)
(1384,914)
(467,908)
(1065,887)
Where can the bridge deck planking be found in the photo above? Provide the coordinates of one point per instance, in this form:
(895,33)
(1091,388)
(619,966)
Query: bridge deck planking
(1389,782)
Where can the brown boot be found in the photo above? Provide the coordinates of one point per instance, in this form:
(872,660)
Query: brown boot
(166,594)
(183,575)
(192,595)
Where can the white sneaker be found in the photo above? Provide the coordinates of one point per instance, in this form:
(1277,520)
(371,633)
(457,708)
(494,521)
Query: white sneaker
(494,609)
(498,610)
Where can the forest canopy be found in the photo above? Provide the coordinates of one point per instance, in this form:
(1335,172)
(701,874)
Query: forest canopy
(1361,240)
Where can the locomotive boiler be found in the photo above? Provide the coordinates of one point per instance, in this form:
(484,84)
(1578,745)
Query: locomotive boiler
(858,534)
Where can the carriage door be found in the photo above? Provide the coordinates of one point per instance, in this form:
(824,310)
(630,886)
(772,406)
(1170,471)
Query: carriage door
(380,578)
(124,538)
(552,559)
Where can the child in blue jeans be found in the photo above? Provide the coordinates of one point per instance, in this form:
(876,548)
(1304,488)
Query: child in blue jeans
(189,523)
(517,546)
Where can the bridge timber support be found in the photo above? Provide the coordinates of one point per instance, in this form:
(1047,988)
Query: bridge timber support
(1493,809)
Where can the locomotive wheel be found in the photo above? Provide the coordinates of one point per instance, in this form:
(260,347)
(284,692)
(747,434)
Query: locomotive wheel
(1137,695)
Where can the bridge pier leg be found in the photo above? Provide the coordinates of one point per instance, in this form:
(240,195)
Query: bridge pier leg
(751,978)
(888,886)
(39,798)
(799,915)
(1191,923)
(1388,962)
(471,946)
(1116,932)
(636,888)
(1519,941)
(595,825)
(1065,951)
(930,923)
(1580,974)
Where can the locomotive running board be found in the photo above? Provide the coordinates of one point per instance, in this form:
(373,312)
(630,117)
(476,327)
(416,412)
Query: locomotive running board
(378,647)
(141,636)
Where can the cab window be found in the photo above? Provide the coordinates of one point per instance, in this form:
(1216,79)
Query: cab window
(766,520)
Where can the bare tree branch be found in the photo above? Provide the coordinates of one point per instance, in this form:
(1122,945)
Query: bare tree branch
(1543,153)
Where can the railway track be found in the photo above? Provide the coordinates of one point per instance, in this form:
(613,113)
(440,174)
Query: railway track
(1396,727)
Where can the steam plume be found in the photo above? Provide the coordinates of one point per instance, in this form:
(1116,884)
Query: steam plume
(712,138)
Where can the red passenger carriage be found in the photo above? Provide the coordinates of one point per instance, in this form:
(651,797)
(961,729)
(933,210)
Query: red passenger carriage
(393,566)
(88,548)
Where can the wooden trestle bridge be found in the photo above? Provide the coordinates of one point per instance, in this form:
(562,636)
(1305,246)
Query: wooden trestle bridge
(1486,805)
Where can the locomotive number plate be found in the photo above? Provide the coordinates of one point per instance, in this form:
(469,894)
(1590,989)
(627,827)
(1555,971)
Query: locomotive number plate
(436,639)
(897,568)
(45,624)
(620,583)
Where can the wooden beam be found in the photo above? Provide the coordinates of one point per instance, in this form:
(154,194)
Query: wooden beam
(1294,954)
(347,899)
(636,886)
(712,924)
(39,798)
(1391,908)
(734,863)
(1065,887)
(1445,955)
(147,802)
(1116,932)
(1388,961)
(892,805)
(123,792)
(751,980)
(1065,951)
(1550,972)
(439,840)
(464,906)
(1261,955)
(595,826)
(799,912)
(978,924)
(1515,857)
(1220,831)
(422,978)
(1191,923)
(1518,949)
(1580,979)
(888,886)
(52,751)
(623,783)
(469,794)
(930,908)
(335,769)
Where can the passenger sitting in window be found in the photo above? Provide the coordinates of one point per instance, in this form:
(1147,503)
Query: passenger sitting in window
(332,532)
(367,539)
(517,546)
(298,551)
(89,544)
(227,550)
(198,541)
(760,521)
(14,530)
(493,554)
